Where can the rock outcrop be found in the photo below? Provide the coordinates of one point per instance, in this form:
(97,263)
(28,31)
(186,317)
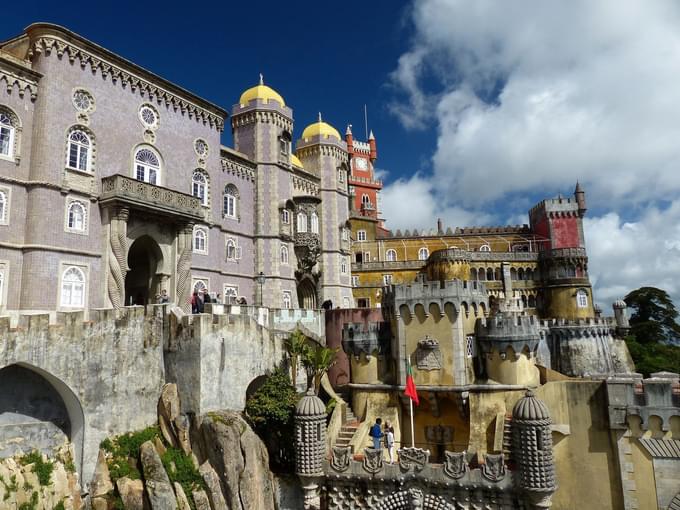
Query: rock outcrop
(158,486)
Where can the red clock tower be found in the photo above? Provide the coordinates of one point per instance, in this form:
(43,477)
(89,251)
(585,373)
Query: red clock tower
(364,187)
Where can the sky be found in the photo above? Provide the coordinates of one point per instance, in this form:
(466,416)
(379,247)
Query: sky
(480,108)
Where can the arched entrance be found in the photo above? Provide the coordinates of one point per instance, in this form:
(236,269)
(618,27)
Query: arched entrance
(307,294)
(38,412)
(142,281)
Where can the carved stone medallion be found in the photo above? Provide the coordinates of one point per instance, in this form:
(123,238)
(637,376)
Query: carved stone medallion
(494,467)
(373,461)
(341,458)
(415,458)
(455,464)
(428,354)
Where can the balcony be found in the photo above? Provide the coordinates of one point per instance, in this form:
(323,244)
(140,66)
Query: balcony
(126,191)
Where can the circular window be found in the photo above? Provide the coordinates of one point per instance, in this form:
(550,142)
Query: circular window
(149,116)
(83,101)
(201,147)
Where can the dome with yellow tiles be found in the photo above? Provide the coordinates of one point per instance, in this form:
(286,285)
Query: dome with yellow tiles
(262,92)
(296,161)
(322,129)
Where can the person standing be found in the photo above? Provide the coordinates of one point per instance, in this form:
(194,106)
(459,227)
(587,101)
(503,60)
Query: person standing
(389,441)
(376,433)
(163,298)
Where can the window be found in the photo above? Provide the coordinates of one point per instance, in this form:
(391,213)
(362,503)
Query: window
(345,302)
(4,208)
(485,247)
(73,288)
(365,200)
(200,285)
(79,146)
(230,294)
(148,116)
(423,253)
(76,216)
(470,346)
(230,206)
(83,101)
(315,223)
(200,240)
(582,298)
(231,249)
(7,132)
(301,222)
(367,256)
(361,235)
(355,281)
(147,166)
(284,143)
(387,279)
(201,148)
(284,255)
(341,175)
(199,186)
(391,255)
(343,266)
(345,234)
(285,216)
(287,299)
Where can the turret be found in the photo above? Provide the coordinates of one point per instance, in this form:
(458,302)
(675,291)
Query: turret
(371,144)
(310,446)
(622,324)
(532,450)
(349,139)
(580,196)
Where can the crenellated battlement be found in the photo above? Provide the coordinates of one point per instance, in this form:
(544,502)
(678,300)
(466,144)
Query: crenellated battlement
(507,329)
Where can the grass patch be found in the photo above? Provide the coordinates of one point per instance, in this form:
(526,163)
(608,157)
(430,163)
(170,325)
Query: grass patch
(59,506)
(181,469)
(9,487)
(125,447)
(30,505)
(42,468)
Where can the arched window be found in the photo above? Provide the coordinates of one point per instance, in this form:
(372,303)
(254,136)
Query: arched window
(200,240)
(230,295)
(341,175)
(343,266)
(230,206)
(481,274)
(582,298)
(231,249)
(287,299)
(531,303)
(200,286)
(73,288)
(301,222)
(489,274)
(314,223)
(391,255)
(3,207)
(285,216)
(423,253)
(365,200)
(284,255)
(76,216)
(79,151)
(7,134)
(147,166)
(485,247)
(199,186)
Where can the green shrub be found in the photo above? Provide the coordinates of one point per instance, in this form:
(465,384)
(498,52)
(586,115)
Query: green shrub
(125,447)
(181,469)
(42,469)
(30,505)
(60,506)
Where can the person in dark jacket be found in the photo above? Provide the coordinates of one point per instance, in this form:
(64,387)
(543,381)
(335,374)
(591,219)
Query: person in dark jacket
(376,433)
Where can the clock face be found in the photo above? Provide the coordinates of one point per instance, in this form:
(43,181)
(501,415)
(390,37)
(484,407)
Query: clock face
(361,164)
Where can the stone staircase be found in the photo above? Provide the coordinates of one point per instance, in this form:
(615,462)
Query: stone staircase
(507,436)
(351,422)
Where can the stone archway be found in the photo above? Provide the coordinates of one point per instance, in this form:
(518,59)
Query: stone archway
(38,412)
(307,297)
(142,281)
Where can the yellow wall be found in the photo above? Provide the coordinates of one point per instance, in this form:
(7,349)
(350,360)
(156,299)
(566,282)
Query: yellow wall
(561,303)
(511,370)
(449,415)
(484,407)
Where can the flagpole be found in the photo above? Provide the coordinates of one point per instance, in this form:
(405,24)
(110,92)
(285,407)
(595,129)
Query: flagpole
(413,437)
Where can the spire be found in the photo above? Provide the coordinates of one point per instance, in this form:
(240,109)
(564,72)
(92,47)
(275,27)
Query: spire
(371,137)
(578,187)
(320,120)
(261,79)
(349,129)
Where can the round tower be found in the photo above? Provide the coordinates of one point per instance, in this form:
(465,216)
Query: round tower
(622,324)
(310,446)
(532,450)
(448,264)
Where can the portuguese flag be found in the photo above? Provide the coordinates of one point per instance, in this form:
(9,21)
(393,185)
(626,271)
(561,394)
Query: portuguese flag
(410,390)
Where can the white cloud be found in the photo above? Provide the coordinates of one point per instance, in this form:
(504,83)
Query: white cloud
(529,96)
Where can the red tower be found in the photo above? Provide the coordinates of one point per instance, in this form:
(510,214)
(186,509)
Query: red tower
(364,187)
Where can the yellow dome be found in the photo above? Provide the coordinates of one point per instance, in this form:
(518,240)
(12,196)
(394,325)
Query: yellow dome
(263,92)
(321,129)
(296,161)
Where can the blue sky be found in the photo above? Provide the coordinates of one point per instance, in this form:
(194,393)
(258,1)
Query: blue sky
(480,109)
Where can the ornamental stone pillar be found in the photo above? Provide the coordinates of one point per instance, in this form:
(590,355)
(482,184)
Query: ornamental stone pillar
(117,256)
(310,446)
(183,272)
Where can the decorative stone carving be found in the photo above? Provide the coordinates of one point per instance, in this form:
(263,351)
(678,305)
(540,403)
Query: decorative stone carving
(428,354)
(307,250)
(341,458)
(416,498)
(455,464)
(415,458)
(117,256)
(184,240)
(493,468)
(373,461)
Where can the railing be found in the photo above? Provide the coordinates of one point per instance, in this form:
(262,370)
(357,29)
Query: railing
(365,180)
(564,253)
(120,188)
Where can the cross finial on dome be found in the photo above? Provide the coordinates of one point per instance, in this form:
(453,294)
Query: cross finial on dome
(320,117)
(349,129)
(261,79)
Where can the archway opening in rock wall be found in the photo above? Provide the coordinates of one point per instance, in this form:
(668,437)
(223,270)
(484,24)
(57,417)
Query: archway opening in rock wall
(142,281)
(38,412)
(307,294)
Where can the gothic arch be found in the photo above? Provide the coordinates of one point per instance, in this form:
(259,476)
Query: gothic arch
(307,296)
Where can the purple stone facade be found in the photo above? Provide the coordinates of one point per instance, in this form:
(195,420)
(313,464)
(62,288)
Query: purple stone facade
(122,237)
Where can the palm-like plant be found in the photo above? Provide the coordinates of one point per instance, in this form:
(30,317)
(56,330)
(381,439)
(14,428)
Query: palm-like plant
(318,361)
(298,350)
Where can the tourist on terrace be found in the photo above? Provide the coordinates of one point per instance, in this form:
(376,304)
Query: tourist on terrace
(376,433)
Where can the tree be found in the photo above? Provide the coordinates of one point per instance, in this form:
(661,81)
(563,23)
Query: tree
(298,349)
(653,317)
(318,361)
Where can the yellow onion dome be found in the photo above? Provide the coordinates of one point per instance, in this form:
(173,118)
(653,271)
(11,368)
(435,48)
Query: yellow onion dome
(296,161)
(322,129)
(262,92)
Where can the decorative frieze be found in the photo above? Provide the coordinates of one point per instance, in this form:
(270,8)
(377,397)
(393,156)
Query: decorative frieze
(306,186)
(237,169)
(23,84)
